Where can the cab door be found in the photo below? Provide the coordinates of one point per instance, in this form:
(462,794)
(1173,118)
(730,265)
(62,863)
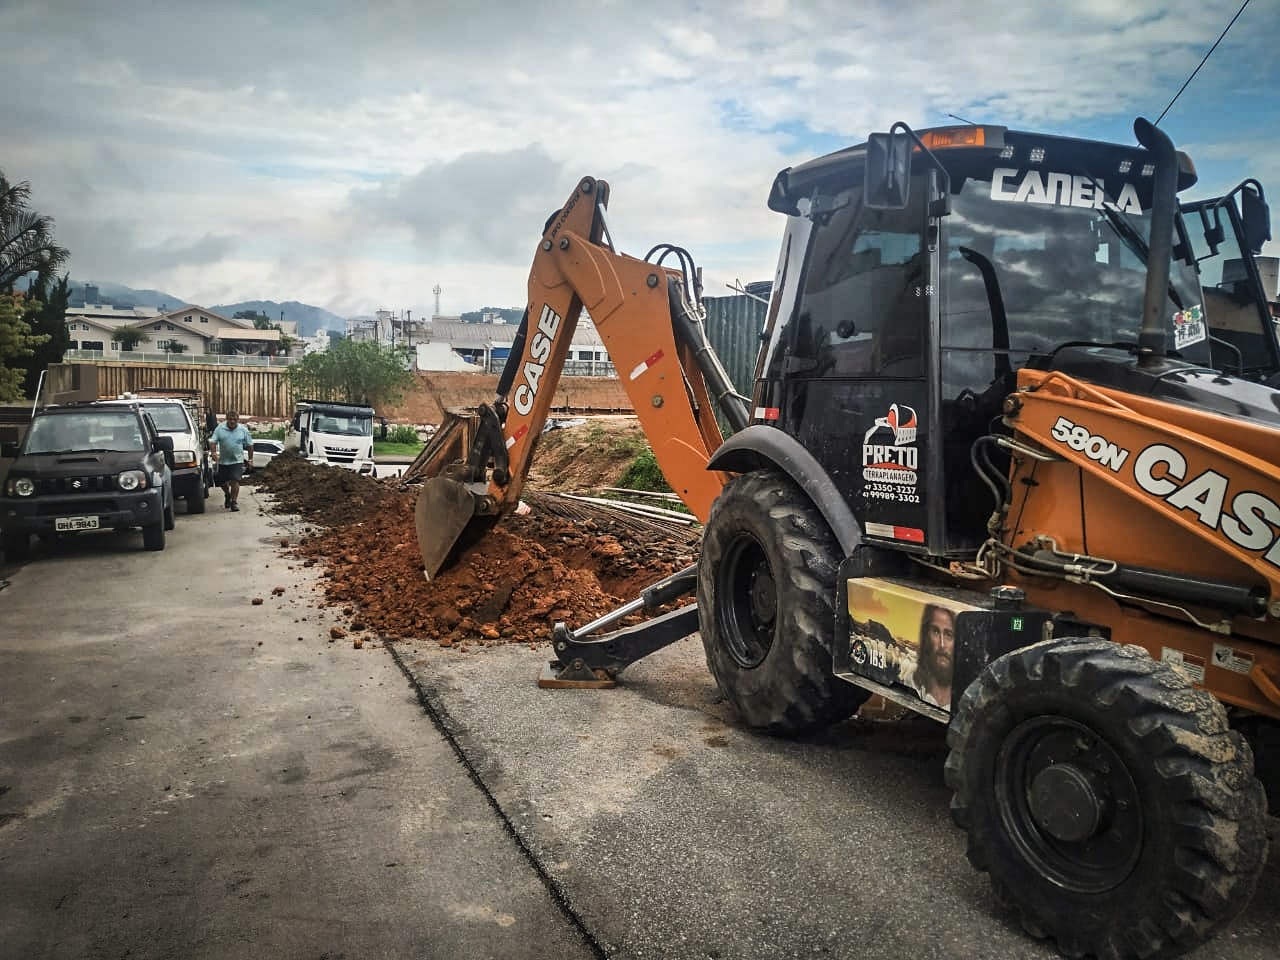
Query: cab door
(1243,335)
(858,364)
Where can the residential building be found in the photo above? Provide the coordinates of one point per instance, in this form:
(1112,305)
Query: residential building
(188,333)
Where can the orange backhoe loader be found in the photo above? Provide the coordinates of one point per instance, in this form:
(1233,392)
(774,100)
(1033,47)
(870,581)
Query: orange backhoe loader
(1006,462)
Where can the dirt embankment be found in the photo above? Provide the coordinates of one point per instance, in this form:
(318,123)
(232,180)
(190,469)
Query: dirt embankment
(513,584)
(434,392)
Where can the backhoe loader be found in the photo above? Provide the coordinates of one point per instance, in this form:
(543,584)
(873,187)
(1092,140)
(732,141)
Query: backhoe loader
(1005,463)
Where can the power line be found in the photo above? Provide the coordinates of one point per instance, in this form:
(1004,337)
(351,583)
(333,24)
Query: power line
(1202,62)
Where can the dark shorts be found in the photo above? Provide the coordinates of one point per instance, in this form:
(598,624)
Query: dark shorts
(230,473)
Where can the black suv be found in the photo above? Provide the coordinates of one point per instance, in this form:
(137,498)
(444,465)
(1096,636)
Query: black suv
(88,467)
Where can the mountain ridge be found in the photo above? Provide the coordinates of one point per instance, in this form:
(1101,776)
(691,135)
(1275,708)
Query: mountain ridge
(310,318)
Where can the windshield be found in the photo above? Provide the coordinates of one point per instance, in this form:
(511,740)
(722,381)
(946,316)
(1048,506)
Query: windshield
(1065,255)
(84,431)
(337,425)
(168,417)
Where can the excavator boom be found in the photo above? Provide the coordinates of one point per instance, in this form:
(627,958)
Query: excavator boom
(653,334)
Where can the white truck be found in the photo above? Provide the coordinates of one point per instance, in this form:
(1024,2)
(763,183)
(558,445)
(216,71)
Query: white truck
(340,434)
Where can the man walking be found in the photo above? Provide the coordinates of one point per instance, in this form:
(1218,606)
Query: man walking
(229,444)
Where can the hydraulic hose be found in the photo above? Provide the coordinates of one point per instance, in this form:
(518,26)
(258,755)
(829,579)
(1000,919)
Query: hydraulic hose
(690,331)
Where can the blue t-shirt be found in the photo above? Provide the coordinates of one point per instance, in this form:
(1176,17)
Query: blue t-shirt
(232,443)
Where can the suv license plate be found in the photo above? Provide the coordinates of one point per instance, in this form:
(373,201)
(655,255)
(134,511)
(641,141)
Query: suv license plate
(76,523)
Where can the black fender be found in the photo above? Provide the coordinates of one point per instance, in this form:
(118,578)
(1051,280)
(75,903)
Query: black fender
(758,446)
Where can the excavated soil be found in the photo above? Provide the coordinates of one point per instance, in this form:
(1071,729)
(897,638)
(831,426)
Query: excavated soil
(513,584)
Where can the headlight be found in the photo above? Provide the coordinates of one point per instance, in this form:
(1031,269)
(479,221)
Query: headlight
(184,458)
(132,480)
(22,487)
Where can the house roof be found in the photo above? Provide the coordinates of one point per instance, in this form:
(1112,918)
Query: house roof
(180,315)
(110,313)
(240,333)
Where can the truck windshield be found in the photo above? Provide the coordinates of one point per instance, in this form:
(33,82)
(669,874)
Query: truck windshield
(343,426)
(84,431)
(1067,260)
(169,417)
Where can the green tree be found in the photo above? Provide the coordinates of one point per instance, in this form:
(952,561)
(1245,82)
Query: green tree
(129,337)
(17,342)
(26,238)
(352,371)
(47,315)
(175,346)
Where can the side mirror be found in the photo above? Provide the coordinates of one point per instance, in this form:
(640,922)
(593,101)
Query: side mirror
(9,450)
(164,445)
(888,172)
(1255,214)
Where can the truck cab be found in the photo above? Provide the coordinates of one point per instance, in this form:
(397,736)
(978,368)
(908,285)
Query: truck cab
(327,432)
(178,417)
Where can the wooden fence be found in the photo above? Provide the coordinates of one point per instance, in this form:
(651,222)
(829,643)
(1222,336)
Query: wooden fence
(255,392)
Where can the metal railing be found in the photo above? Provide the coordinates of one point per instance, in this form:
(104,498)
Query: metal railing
(215,359)
(572,368)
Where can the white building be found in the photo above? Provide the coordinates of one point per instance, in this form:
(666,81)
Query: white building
(487,346)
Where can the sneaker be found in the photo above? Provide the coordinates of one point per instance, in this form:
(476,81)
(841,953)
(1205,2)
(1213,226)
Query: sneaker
(234,506)
(226,503)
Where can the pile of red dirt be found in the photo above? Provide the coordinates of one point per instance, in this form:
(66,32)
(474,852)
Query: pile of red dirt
(511,586)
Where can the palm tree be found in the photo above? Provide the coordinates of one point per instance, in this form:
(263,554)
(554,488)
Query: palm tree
(26,238)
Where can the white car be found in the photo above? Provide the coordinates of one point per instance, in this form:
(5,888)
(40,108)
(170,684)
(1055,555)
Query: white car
(264,451)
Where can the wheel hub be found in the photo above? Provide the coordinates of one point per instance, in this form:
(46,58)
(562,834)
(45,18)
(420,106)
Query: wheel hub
(1065,801)
(764,603)
(1069,804)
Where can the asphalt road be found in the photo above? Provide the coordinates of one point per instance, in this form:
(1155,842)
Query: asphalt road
(183,773)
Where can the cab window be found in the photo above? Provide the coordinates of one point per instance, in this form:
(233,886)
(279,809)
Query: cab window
(863,310)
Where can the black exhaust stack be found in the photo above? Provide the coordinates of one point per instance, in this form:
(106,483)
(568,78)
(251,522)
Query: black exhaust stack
(1164,199)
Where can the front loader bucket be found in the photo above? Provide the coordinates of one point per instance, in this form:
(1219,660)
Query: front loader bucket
(444,510)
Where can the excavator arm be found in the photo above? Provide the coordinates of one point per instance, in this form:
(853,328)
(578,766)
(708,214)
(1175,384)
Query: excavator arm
(653,335)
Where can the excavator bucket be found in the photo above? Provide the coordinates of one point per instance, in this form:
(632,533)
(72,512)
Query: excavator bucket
(444,510)
(445,507)
(448,444)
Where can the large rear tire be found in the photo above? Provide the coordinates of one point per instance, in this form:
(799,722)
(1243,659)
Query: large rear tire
(1107,798)
(766,606)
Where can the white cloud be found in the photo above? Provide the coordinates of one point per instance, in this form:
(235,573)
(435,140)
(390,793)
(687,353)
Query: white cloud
(353,159)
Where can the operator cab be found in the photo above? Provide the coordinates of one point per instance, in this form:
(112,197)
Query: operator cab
(903,310)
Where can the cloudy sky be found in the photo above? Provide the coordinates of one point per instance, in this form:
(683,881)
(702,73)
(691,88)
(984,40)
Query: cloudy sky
(355,155)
